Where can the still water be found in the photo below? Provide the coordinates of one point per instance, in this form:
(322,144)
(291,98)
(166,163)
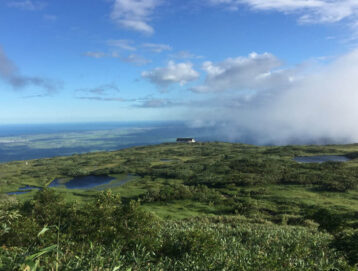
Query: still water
(83,182)
(321,159)
(101,182)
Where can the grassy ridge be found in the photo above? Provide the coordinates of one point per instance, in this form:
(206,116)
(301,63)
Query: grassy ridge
(215,206)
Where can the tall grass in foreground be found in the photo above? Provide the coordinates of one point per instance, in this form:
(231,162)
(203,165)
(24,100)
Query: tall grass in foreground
(107,234)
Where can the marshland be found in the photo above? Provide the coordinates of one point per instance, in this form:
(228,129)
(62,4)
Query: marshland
(207,206)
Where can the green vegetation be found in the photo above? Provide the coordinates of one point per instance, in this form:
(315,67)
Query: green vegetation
(204,206)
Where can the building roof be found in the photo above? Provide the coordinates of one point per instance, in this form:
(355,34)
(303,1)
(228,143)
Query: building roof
(185,139)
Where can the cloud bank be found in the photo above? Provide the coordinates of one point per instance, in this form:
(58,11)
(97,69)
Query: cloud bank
(317,108)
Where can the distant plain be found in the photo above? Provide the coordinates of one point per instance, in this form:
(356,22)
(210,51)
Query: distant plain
(24,142)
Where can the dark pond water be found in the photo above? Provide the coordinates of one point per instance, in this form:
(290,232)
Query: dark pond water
(128,178)
(27,187)
(83,182)
(23,190)
(321,159)
(17,193)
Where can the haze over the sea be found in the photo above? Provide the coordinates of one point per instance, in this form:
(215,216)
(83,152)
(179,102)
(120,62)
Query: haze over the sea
(33,141)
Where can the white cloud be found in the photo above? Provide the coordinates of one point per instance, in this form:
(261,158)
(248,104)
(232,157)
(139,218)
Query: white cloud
(157,48)
(310,11)
(255,72)
(181,73)
(123,44)
(134,14)
(27,5)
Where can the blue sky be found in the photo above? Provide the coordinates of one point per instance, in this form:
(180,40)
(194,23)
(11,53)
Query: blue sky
(227,62)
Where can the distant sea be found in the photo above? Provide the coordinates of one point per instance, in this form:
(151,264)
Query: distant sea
(32,141)
(52,128)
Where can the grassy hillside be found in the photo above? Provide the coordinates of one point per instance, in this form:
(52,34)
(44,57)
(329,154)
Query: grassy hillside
(204,206)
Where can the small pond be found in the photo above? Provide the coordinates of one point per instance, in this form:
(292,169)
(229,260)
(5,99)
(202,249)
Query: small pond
(83,182)
(321,159)
(101,182)
(166,160)
(17,193)
(27,187)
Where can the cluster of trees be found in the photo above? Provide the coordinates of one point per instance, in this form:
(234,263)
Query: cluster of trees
(169,193)
(102,220)
(249,171)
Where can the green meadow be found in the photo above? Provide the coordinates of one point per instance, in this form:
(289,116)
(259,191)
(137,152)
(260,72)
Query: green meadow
(202,206)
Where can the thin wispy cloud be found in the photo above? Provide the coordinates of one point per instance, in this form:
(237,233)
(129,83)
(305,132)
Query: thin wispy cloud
(122,44)
(185,55)
(180,73)
(50,17)
(146,102)
(105,89)
(10,74)
(102,99)
(309,11)
(97,54)
(27,5)
(135,59)
(105,93)
(157,48)
(157,103)
(35,96)
(135,14)
(130,46)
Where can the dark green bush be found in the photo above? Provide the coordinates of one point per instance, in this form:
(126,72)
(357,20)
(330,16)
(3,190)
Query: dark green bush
(347,242)
(194,242)
(328,220)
